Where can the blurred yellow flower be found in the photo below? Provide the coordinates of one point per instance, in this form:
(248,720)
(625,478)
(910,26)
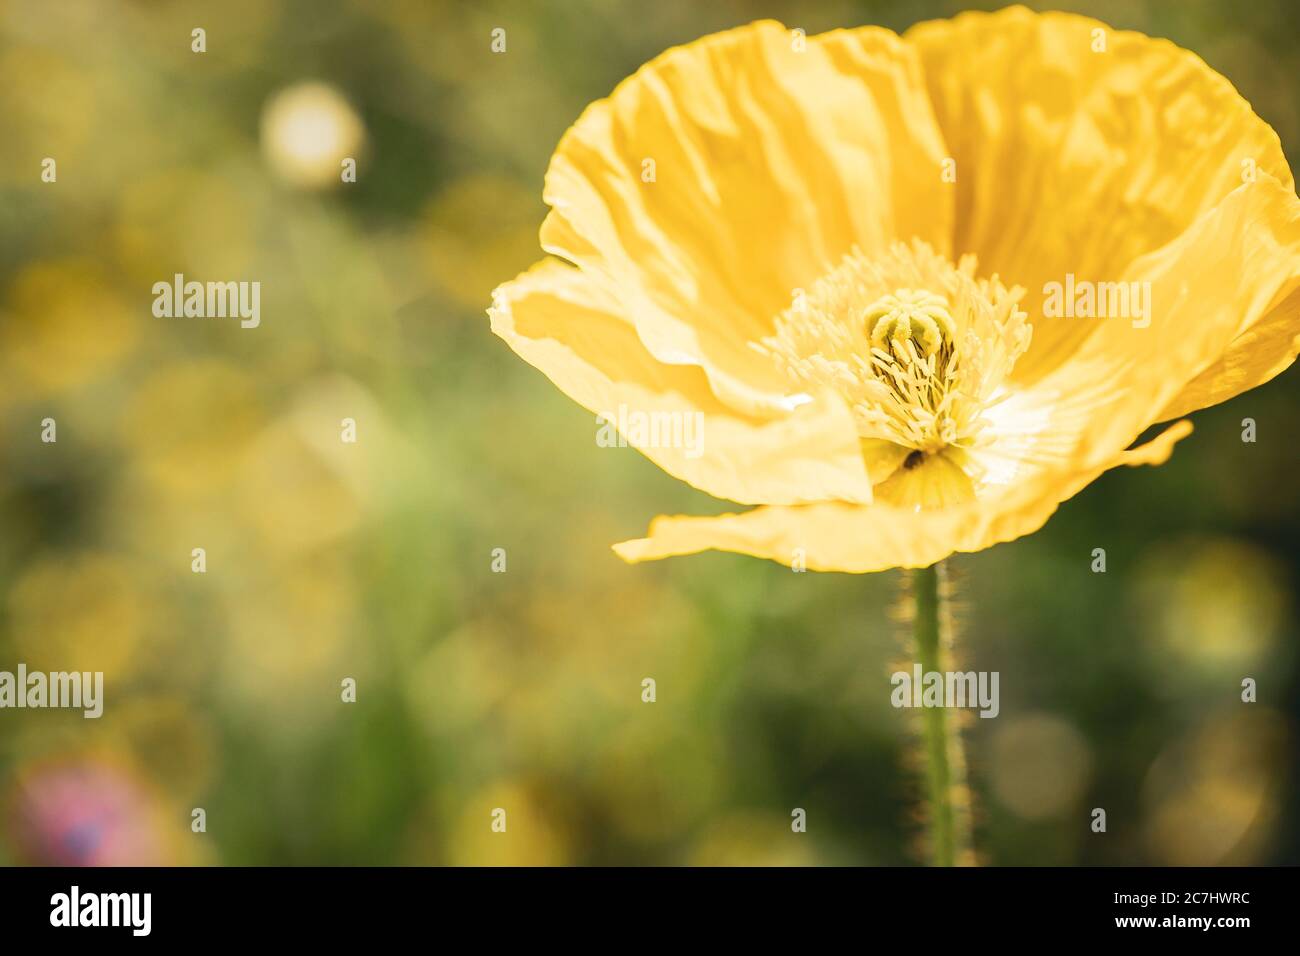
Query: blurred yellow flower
(190,423)
(48,100)
(63,326)
(86,611)
(508,824)
(830,251)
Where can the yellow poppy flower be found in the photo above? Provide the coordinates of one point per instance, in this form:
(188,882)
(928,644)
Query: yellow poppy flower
(920,289)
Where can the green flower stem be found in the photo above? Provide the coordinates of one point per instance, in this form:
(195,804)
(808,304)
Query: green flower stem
(945,786)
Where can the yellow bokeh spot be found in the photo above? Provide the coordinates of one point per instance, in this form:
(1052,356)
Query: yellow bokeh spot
(190,423)
(64,325)
(1216,603)
(1211,797)
(85,613)
(752,839)
(183,220)
(288,631)
(291,496)
(307,131)
(1040,766)
(478,229)
(169,737)
(531,836)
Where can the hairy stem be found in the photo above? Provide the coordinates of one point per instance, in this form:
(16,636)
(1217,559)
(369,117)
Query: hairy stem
(948,818)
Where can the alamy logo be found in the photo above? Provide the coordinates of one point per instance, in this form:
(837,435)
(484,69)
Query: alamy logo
(208,300)
(134,910)
(71,689)
(642,429)
(946,689)
(1084,299)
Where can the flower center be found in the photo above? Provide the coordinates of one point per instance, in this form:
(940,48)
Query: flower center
(919,348)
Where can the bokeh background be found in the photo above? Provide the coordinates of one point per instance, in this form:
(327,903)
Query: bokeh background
(372,560)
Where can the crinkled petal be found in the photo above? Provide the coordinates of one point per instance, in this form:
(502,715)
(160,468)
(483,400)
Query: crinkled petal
(1074,157)
(1258,354)
(558,321)
(728,173)
(1231,274)
(859,539)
